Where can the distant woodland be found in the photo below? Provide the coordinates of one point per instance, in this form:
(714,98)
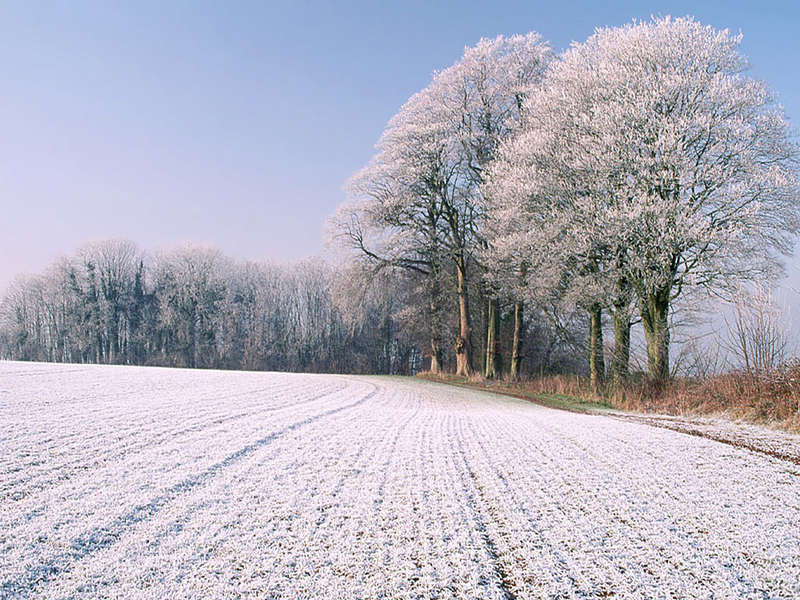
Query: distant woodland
(192,306)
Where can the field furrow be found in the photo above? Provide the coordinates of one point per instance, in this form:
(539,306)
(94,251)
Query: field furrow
(122,482)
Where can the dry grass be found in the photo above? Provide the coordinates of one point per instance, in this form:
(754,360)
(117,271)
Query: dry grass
(769,398)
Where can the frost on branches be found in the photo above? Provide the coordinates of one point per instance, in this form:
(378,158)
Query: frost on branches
(418,204)
(647,162)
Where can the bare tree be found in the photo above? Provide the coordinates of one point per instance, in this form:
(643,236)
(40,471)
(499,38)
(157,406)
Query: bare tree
(757,332)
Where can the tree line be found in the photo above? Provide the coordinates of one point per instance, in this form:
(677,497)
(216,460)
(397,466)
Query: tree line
(192,306)
(637,168)
(516,208)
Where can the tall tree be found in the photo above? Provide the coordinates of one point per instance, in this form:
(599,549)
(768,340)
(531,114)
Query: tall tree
(423,187)
(664,161)
(113,266)
(707,158)
(478,102)
(190,288)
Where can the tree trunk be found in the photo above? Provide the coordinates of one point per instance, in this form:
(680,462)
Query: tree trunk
(436,357)
(622,345)
(493,368)
(388,353)
(516,344)
(597,366)
(463,346)
(655,313)
(434,319)
(484,328)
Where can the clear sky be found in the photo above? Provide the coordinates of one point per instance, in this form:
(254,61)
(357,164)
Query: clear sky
(236,123)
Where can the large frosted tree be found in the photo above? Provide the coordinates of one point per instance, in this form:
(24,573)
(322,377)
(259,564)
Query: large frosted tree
(394,217)
(655,149)
(420,199)
(542,221)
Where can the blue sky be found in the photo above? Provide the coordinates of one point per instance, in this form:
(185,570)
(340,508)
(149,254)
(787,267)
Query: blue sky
(236,124)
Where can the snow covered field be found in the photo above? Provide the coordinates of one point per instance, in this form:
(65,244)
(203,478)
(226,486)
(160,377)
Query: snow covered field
(132,482)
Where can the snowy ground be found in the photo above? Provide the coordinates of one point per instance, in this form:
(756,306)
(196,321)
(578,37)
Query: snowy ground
(780,444)
(151,483)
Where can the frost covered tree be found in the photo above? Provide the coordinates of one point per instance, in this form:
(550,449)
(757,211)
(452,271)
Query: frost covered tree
(712,195)
(111,267)
(394,217)
(190,287)
(421,196)
(656,149)
(546,246)
(478,102)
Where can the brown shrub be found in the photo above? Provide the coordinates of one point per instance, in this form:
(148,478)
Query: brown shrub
(770,397)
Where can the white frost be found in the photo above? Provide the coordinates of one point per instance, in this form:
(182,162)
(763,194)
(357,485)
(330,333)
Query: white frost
(152,483)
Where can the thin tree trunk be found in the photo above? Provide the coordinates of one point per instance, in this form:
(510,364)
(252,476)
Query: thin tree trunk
(493,359)
(484,328)
(655,313)
(463,345)
(597,366)
(436,357)
(388,345)
(435,321)
(516,344)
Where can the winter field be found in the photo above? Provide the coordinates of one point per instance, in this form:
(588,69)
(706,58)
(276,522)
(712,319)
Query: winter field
(128,482)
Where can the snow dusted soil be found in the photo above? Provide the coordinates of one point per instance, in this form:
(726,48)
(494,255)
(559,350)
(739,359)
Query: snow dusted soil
(746,435)
(124,482)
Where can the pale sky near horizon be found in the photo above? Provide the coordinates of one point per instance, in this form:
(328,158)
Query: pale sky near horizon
(236,124)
